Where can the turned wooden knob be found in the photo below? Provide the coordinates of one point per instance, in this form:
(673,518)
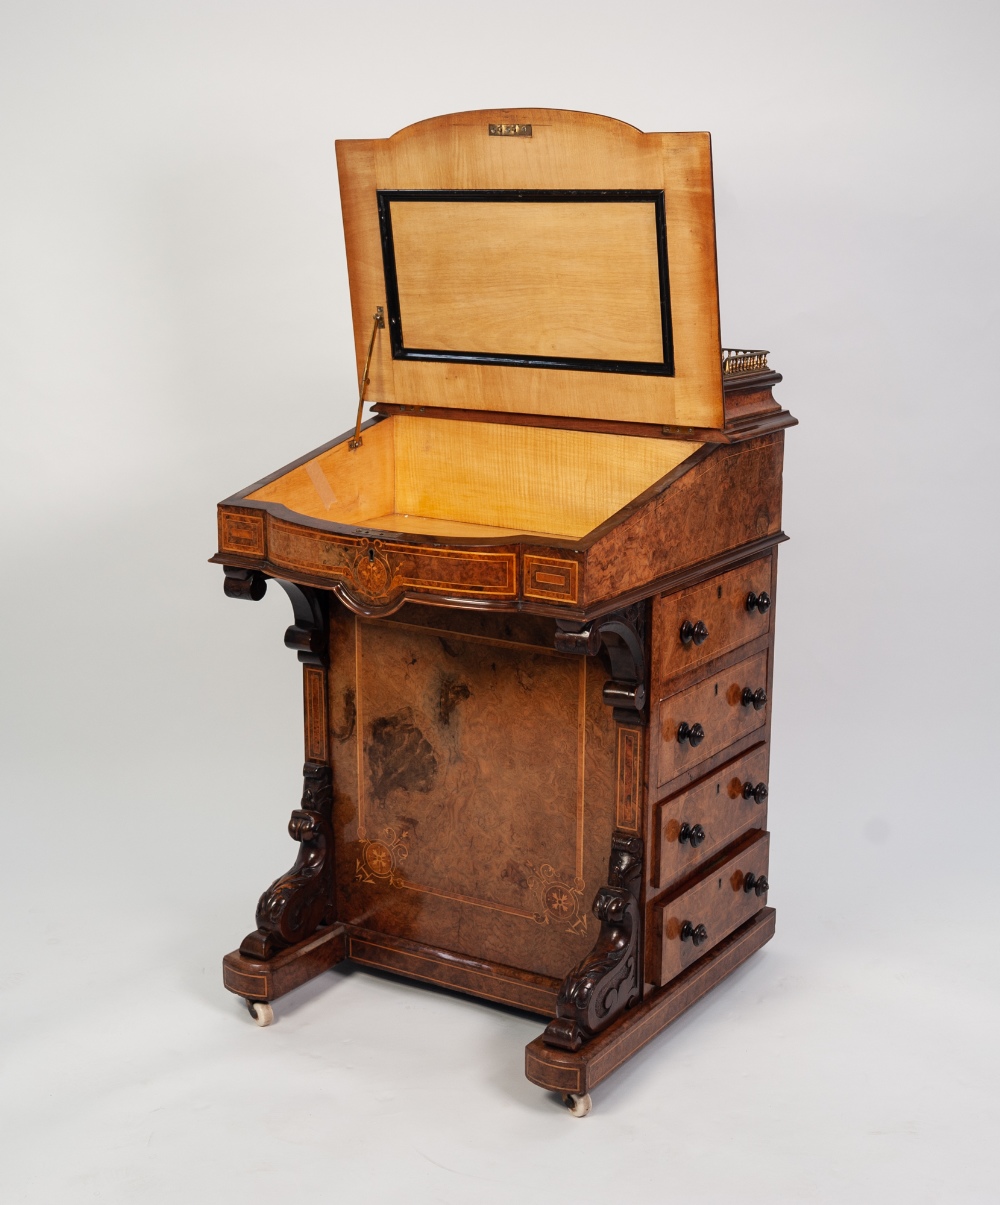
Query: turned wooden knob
(691,832)
(694,734)
(757,884)
(695,633)
(758,602)
(756,699)
(695,934)
(758,792)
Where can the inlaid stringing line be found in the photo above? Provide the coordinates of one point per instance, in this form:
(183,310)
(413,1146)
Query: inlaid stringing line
(581,766)
(362,834)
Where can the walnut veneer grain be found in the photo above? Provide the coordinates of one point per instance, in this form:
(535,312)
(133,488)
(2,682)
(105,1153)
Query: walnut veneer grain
(718,804)
(717,900)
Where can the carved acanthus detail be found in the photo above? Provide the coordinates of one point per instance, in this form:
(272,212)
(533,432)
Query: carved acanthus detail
(609,979)
(298,903)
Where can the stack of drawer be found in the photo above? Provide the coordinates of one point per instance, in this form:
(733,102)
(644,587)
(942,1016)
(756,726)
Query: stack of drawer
(709,748)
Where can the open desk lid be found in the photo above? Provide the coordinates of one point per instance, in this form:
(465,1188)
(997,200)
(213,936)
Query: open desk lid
(536,261)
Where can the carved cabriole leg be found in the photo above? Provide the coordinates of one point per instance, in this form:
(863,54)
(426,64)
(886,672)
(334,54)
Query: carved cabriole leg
(286,948)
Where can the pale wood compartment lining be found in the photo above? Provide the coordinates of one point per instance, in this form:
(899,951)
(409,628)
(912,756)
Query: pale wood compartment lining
(547,279)
(449,478)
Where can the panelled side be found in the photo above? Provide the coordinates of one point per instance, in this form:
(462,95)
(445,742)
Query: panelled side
(475,784)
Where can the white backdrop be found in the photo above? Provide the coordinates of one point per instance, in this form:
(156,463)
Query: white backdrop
(174,324)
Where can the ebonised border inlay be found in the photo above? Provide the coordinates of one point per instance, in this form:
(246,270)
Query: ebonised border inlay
(631,367)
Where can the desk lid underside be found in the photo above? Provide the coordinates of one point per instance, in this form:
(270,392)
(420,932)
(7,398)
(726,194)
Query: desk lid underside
(570,272)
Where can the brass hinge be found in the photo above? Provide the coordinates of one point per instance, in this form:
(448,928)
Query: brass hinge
(377,323)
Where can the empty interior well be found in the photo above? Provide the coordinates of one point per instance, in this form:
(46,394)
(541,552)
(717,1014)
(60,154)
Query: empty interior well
(448,478)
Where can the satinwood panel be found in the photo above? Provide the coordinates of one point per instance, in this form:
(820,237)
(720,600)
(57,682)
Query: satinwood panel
(566,151)
(446,477)
(551,279)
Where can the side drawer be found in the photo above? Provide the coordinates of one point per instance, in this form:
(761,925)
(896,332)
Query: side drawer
(710,909)
(703,720)
(709,815)
(706,621)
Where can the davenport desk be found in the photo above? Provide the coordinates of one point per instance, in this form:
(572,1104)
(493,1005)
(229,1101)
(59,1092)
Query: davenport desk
(533,596)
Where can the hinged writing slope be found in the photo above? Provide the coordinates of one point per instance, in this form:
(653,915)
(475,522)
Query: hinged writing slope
(569,273)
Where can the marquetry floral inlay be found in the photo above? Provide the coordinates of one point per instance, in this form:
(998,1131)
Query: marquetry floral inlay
(379,861)
(372,573)
(562,901)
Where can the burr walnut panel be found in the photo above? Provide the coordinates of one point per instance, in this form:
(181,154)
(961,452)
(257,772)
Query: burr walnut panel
(695,824)
(475,786)
(377,573)
(719,901)
(241,532)
(723,498)
(719,706)
(549,578)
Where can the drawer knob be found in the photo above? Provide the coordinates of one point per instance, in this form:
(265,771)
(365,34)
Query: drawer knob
(757,699)
(695,934)
(758,792)
(695,633)
(754,883)
(694,734)
(758,602)
(691,832)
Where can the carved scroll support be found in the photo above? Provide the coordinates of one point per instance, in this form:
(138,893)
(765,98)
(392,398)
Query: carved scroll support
(250,584)
(609,979)
(622,637)
(307,635)
(301,901)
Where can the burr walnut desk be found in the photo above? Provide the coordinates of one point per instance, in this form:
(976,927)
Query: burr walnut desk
(533,596)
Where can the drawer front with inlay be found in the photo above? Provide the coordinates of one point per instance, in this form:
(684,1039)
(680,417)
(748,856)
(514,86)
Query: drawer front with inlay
(697,919)
(551,578)
(697,823)
(706,621)
(701,721)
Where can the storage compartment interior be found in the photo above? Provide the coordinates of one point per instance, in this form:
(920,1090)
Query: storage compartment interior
(444,477)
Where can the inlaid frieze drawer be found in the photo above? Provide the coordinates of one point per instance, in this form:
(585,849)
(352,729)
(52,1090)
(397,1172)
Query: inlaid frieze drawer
(701,721)
(699,917)
(706,621)
(696,823)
